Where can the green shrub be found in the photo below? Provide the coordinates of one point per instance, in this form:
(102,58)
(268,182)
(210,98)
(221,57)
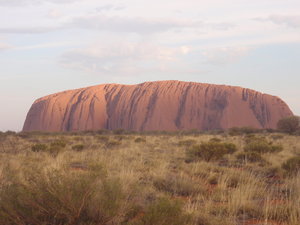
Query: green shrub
(112,144)
(277,136)
(9,132)
(56,147)
(210,151)
(39,148)
(103,131)
(250,157)
(165,212)
(119,131)
(261,145)
(289,124)
(58,144)
(61,196)
(252,138)
(103,138)
(215,139)
(176,185)
(187,143)
(140,140)
(78,148)
(250,211)
(234,131)
(292,165)
(213,180)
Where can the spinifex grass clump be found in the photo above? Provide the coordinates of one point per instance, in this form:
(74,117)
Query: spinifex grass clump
(250,157)
(78,148)
(163,212)
(60,196)
(292,165)
(39,148)
(140,140)
(210,151)
(187,143)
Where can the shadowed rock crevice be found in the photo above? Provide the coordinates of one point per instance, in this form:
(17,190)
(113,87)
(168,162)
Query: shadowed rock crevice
(161,105)
(182,106)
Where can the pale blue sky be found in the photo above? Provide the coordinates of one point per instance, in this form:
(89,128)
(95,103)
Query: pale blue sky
(48,46)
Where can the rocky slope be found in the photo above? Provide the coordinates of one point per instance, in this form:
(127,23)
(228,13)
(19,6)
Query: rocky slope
(161,105)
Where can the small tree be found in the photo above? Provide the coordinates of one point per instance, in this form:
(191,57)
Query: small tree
(289,124)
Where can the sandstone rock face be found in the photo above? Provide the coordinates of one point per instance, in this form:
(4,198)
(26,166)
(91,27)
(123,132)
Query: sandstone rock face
(161,105)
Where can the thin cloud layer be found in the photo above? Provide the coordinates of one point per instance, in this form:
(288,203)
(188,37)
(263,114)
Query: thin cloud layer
(127,24)
(4,46)
(119,57)
(225,55)
(292,21)
(19,3)
(118,24)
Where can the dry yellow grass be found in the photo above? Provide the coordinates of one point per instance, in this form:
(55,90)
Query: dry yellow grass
(133,178)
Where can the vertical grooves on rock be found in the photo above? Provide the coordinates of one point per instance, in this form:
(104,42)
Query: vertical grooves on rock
(156,105)
(72,111)
(112,101)
(150,108)
(182,106)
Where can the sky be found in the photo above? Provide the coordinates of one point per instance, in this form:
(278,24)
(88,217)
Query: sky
(47,46)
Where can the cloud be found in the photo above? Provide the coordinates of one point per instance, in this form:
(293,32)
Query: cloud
(55,13)
(29,30)
(107,23)
(109,7)
(112,24)
(4,46)
(98,21)
(289,21)
(18,3)
(122,57)
(127,24)
(224,55)
(46,45)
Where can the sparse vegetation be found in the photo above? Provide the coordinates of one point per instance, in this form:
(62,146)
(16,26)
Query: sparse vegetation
(289,124)
(261,145)
(123,178)
(292,165)
(78,148)
(210,151)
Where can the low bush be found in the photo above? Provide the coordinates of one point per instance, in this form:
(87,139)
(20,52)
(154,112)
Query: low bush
(119,131)
(187,143)
(103,138)
(235,131)
(112,144)
(56,147)
(165,212)
(62,196)
(78,148)
(277,136)
(176,185)
(215,139)
(289,124)
(292,165)
(261,145)
(58,144)
(39,148)
(210,151)
(140,140)
(9,132)
(250,157)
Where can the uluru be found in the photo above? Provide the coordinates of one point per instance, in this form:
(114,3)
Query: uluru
(160,105)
